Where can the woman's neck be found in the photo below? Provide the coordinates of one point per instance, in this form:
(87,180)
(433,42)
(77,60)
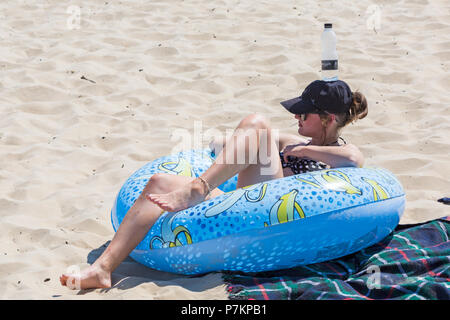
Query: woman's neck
(329,141)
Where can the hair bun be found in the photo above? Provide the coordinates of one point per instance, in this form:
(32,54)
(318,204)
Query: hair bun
(359,108)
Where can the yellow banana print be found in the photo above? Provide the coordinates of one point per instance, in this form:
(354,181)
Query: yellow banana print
(169,237)
(284,209)
(261,195)
(309,182)
(178,230)
(182,167)
(332,179)
(234,197)
(341,183)
(378,192)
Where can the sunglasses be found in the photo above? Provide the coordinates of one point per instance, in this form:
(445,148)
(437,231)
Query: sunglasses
(303,116)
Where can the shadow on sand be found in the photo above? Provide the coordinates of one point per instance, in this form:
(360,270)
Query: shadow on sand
(130,274)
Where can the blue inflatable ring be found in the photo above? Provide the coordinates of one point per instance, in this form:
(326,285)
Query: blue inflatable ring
(277,224)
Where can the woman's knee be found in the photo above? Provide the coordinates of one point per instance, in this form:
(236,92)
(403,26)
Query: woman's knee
(256,120)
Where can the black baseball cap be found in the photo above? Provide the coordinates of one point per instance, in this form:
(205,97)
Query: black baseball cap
(322,97)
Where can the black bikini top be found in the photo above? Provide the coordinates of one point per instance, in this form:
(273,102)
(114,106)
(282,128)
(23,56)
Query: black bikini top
(302,165)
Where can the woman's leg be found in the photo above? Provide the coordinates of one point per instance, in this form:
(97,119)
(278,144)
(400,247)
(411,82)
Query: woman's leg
(136,224)
(253,143)
(268,166)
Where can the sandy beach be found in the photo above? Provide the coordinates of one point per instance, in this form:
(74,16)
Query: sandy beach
(93,90)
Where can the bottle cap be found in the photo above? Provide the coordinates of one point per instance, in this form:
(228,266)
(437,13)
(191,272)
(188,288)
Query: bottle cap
(328,25)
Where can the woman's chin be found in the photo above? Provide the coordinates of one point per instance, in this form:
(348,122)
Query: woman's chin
(302,132)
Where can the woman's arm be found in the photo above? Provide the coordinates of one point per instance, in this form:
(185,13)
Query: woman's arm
(285,139)
(347,155)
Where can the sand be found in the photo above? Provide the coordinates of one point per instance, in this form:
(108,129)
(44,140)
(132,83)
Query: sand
(83,105)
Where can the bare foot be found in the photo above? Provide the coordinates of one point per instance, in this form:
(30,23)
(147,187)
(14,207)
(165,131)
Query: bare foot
(180,199)
(92,277)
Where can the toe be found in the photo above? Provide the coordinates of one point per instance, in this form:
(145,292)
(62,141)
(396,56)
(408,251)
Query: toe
(154,198)
(63,279)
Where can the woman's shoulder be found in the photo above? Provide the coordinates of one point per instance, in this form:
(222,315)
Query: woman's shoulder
(286,139)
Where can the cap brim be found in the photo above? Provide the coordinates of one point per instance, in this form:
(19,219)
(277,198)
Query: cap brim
(296,106)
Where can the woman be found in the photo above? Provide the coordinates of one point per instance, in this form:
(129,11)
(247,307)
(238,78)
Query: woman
(322,110)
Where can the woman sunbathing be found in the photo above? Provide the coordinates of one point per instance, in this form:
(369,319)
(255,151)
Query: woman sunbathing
(323,109)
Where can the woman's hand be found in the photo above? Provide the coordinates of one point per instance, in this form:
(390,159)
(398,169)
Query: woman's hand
(294,150)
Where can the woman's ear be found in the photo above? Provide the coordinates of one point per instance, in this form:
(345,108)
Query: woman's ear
(331,118)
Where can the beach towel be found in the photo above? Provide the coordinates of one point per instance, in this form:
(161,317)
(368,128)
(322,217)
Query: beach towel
(413,262)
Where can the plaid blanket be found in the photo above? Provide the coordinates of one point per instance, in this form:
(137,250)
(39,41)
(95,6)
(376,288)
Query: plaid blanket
(411,263)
